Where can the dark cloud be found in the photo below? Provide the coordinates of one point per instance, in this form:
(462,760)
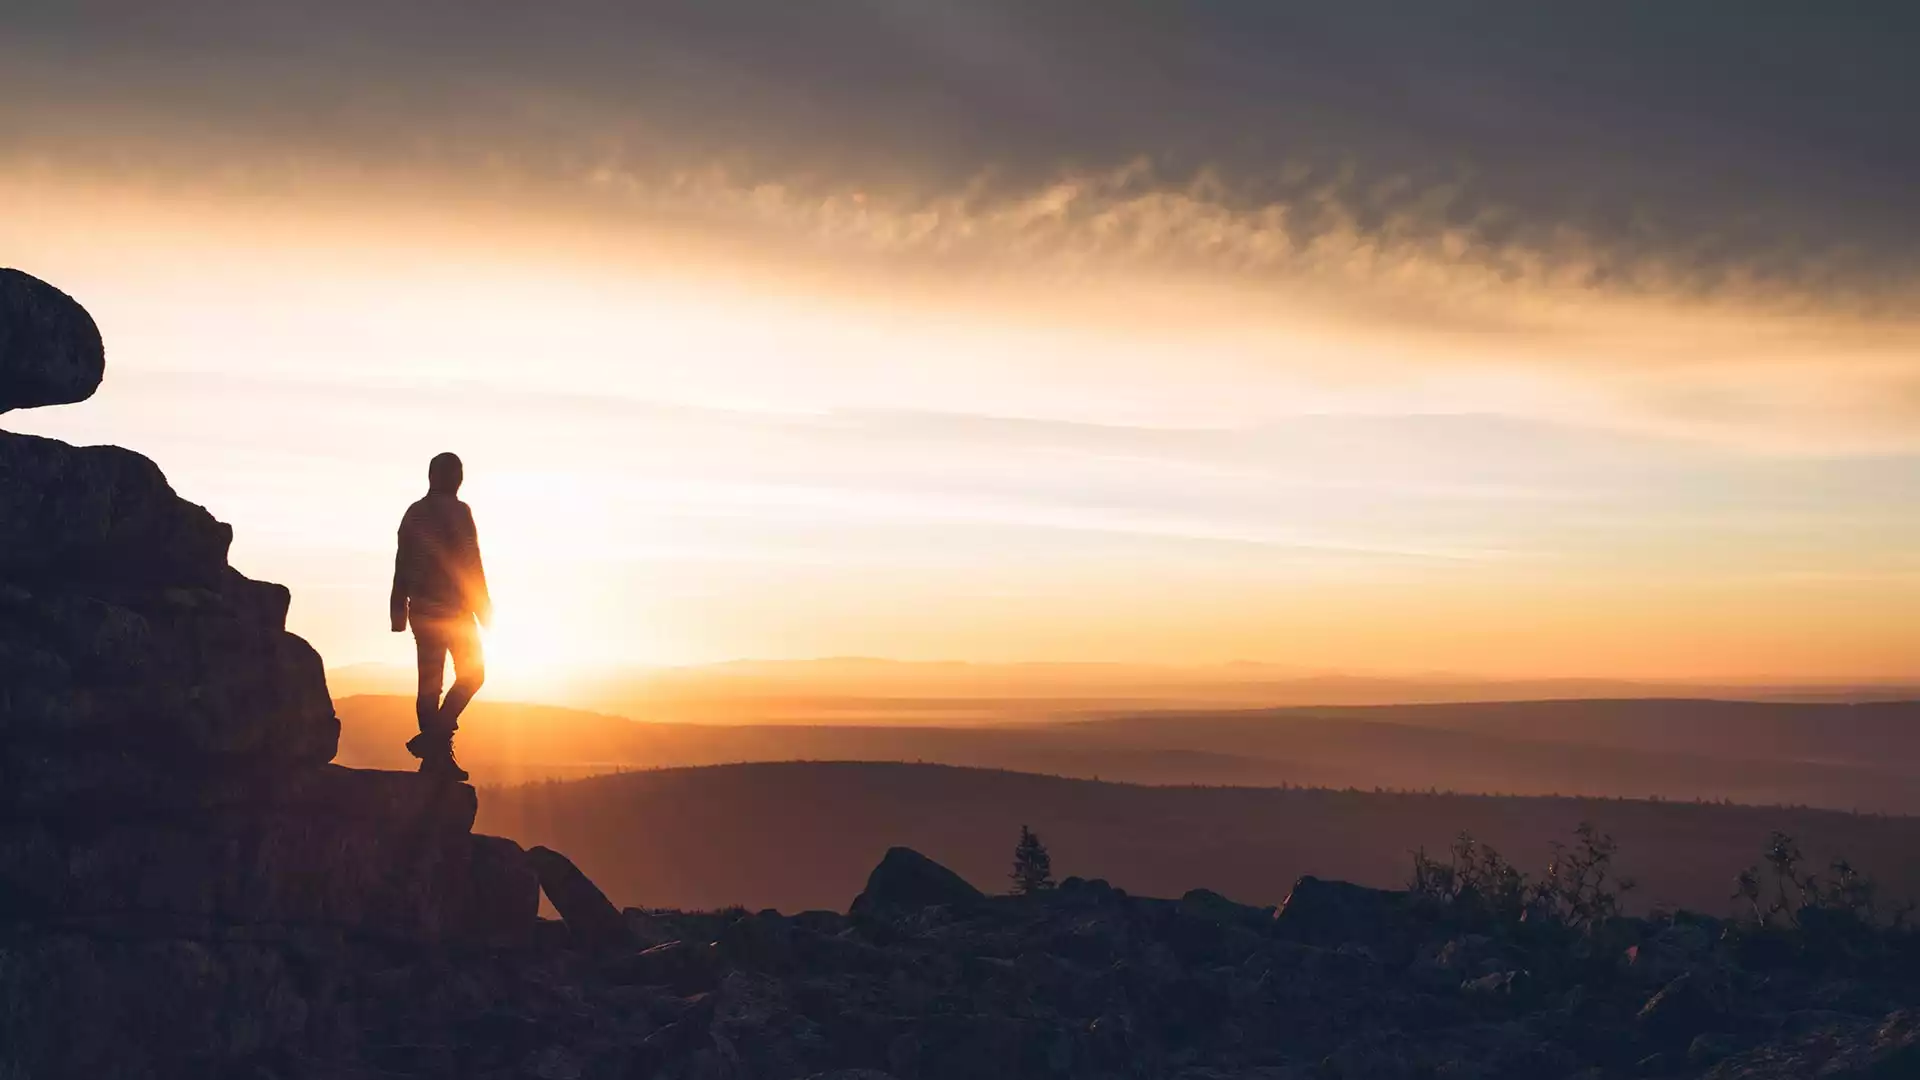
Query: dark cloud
(1770,142)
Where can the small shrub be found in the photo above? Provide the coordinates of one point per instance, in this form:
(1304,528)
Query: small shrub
(1488,880)
(1579,889)
(1786,896)
(1433,881)
(1476,876)
(1032,866)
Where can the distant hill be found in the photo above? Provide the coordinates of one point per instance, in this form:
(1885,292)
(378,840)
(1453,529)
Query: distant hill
(511,743)
(800,835)
(1847,757)
(1874,733)
(1863,756)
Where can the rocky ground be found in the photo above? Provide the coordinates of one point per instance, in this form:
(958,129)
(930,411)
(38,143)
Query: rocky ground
(929,979)
(189,889)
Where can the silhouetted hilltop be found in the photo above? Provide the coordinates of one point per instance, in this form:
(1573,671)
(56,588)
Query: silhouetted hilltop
(1863,756)
(1883,734)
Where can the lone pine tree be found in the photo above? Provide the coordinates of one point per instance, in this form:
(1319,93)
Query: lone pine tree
(1032,866)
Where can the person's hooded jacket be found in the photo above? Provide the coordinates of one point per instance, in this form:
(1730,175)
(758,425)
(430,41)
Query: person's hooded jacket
(437,572)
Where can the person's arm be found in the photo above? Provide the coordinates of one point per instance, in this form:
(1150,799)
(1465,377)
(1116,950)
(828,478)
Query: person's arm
(481,600)
(397,602)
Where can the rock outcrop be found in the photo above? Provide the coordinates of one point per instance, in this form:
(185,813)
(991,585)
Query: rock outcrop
(166,799)
(164,741)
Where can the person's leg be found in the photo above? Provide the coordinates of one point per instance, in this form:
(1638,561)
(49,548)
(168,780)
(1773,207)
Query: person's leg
(430,651)
(469,671)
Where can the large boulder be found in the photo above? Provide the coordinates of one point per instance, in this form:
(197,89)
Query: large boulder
(1332,913)
(50,349)
(591,918)
(906,879)
(502,894)
(1681,1010)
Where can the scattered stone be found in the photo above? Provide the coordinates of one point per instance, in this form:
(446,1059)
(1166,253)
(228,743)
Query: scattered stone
(759,942)
(551,934)
(1497,984)
(1681,1010)
(647,929)
(555,1063)
(1847,1049)
(1709,1048)
(1211,906)
(685,968)
(907,879)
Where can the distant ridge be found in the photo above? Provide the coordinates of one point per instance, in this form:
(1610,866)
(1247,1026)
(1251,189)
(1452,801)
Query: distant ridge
(1030,690)
(1846,757)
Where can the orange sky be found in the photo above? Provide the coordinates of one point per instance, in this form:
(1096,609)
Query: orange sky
(953,408)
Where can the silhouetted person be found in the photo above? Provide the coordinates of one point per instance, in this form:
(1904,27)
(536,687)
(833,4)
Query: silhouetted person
(440,587)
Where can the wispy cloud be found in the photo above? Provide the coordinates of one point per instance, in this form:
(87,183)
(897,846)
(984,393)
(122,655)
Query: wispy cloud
(1100,300)
(1631,146)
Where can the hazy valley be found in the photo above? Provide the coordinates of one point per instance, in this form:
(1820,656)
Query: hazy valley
(803,835)
(791,816)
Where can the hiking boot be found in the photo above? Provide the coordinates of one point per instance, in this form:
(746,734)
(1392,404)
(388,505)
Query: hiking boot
(444,766)
(439,762)
(421,745)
